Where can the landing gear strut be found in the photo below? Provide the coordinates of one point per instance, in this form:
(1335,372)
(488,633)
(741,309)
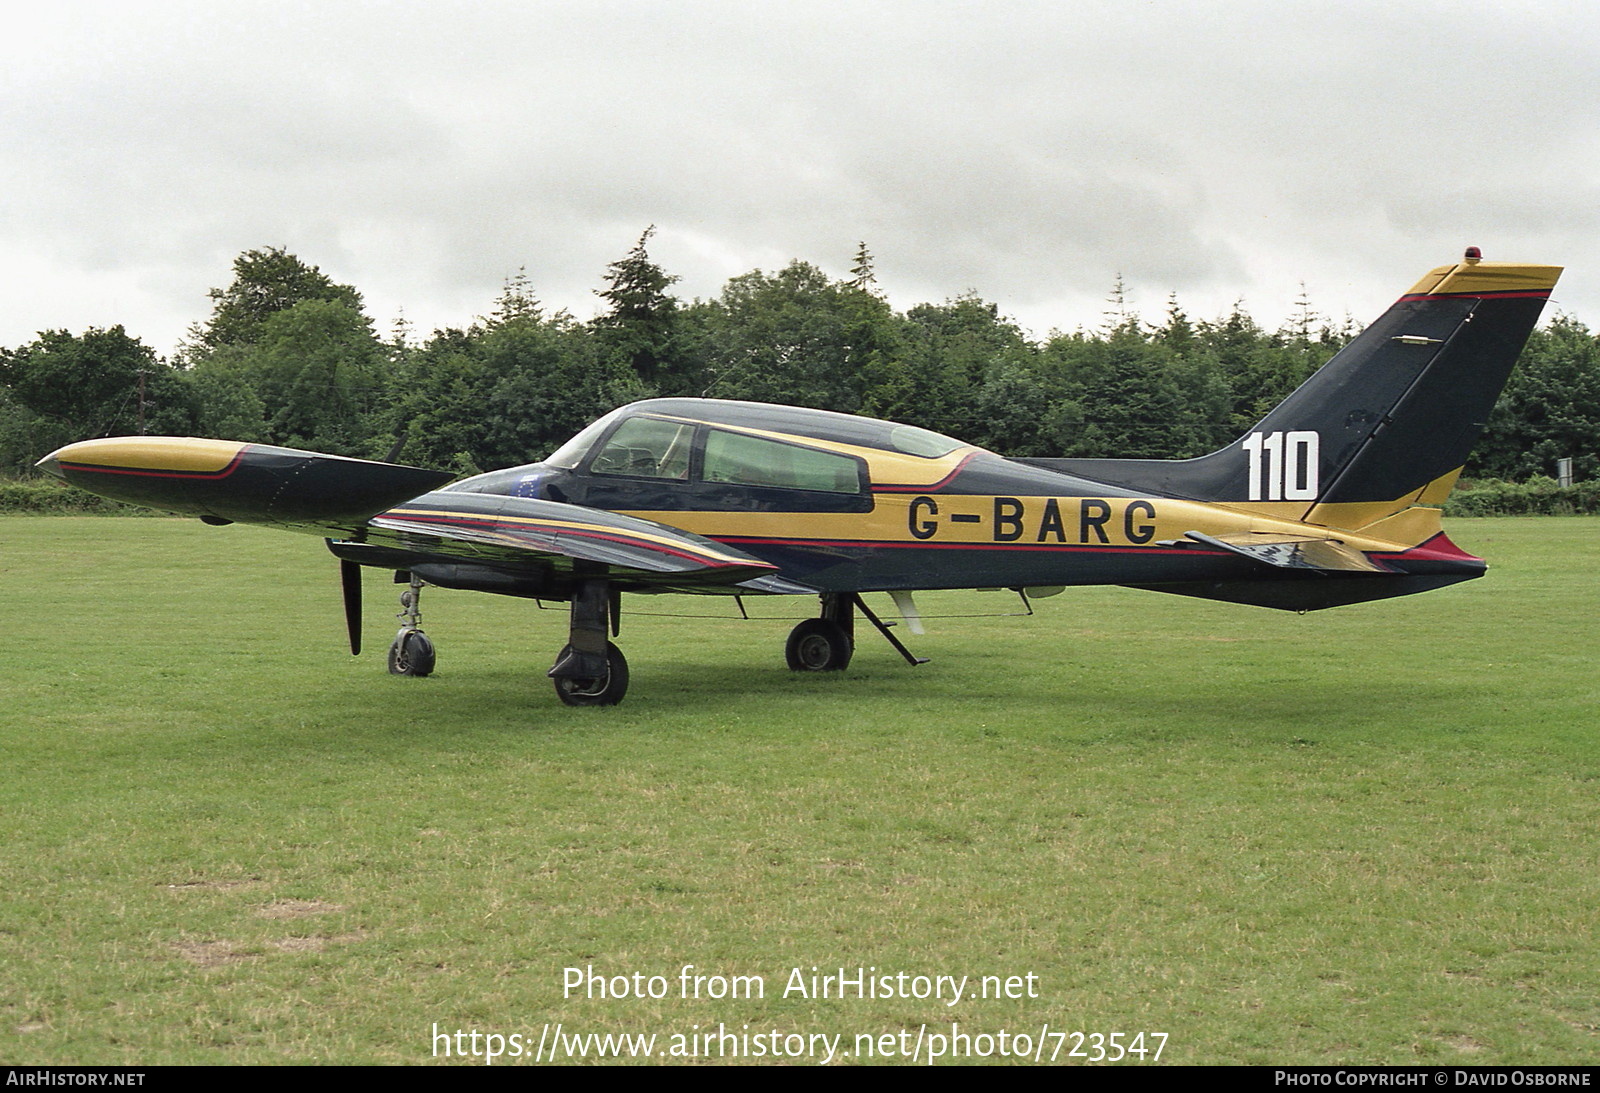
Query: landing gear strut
(591,671)
(411,654)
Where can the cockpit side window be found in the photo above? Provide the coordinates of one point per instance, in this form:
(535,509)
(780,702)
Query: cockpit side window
(647,447)
(756,461)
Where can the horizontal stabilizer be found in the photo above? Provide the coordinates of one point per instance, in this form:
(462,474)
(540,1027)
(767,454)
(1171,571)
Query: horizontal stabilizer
(1326,555)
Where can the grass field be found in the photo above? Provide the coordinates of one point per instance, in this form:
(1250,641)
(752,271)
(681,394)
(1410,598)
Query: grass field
(1370,835)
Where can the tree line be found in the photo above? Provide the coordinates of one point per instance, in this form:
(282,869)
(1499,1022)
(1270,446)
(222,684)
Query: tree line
(289,357)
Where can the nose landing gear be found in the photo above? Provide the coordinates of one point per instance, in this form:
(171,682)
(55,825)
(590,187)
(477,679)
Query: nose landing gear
(411,653)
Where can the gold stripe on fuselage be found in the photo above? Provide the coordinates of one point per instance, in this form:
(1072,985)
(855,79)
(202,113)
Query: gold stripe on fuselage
(944,519)
(901,515)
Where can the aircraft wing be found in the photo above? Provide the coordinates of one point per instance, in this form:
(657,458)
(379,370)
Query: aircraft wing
(383,514)
(223,481)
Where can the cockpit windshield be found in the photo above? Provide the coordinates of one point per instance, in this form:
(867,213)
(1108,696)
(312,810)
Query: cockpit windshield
(570,454)
(648,447)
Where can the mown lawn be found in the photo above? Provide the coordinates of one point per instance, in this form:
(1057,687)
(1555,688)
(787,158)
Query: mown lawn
(1370,835)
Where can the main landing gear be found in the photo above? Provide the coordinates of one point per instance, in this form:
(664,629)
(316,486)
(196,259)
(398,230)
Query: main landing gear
(591,671)
(826,643)
(411,653)
(605,689)
(818,645)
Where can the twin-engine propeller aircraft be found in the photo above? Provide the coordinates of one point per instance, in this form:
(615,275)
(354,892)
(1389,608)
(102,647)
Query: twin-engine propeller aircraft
(1330,500)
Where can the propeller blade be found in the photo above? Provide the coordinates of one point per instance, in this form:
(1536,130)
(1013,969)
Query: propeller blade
(399,442)
(350,580)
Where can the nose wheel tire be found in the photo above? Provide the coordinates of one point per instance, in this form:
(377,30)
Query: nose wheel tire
(607,691)
(817,645)
(411,654)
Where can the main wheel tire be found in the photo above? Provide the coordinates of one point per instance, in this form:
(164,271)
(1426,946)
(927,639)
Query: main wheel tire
(596,692)
(818,645)
(412,654)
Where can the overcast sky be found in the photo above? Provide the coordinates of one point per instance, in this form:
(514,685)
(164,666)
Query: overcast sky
(1027,152)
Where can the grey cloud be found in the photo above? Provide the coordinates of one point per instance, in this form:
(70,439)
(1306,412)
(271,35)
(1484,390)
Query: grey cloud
(1027,151)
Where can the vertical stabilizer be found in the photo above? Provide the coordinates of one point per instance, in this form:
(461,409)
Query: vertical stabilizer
(1387,423)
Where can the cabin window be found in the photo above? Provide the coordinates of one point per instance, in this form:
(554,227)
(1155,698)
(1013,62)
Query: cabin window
(756,461)
(647,447)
